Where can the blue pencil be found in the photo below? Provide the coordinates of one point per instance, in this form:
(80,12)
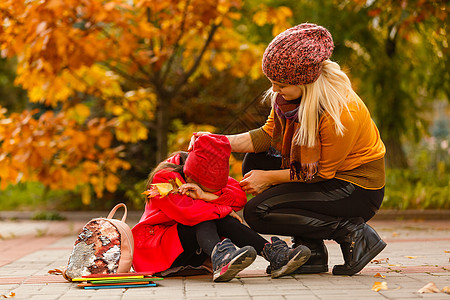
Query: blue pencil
(124,286)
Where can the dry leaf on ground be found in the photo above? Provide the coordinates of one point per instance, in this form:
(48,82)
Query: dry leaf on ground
(445,251)
(55,272)
(378,275)
(377,286)
(446,289)
(379,261)
(8,296)
(429,288)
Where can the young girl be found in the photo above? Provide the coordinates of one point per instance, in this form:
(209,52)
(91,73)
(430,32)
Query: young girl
(184,227)
(316,167)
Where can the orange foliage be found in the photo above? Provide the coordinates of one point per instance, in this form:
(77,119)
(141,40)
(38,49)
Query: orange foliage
(105,65)
(58,152)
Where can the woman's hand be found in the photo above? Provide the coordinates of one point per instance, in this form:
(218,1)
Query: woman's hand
(192,190)
(194,136)
(236,216)
(256,181)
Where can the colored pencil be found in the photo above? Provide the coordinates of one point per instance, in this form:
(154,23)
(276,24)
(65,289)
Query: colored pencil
(106,278)
(125,280)
(110,284)
(117,274)
(118,286)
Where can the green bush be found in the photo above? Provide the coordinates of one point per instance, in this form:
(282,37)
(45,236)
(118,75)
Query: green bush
(426,184)
(29,196)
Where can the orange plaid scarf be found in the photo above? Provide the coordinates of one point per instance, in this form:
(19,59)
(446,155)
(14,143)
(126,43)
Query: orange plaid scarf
(301,160)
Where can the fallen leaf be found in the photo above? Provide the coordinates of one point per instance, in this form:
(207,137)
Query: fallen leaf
(378,275)
(411,257)
(377,286)
(379,261)
(8,296)
(429,288)
(446,289)
(55,272)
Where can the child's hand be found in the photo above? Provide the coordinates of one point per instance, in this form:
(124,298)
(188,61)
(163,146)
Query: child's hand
(192,190)
(236,216)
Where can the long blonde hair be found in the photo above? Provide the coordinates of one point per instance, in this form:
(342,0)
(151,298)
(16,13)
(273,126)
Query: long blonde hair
(329,93)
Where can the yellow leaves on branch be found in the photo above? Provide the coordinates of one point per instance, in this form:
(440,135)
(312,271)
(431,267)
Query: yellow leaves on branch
(278,17)
(237,54)
(60,45)
(136,106)
(58,152)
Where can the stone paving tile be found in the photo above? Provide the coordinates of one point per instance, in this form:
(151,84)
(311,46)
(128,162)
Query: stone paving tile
(26,274)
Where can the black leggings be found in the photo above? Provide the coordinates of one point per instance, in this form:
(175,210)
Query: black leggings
(297,209)
(198,241)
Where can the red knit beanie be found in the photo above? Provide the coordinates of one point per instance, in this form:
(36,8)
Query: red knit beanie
(208,162)
(295,56)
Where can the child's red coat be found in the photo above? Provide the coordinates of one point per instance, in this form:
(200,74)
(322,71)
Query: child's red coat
(155,236)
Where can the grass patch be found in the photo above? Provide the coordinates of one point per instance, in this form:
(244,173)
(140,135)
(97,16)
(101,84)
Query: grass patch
(48,216)
(31,196)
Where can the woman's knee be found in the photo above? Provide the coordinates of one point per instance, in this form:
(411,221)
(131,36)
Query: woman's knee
(254,213)
(260,161)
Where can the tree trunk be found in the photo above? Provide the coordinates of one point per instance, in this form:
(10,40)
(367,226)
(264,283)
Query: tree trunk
(395,155)
(162,125)
(391,111)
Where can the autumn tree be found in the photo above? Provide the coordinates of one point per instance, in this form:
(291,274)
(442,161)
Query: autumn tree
(107,73)
(401,61)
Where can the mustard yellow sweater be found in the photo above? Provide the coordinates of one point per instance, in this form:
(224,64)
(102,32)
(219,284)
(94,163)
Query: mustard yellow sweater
(356,157)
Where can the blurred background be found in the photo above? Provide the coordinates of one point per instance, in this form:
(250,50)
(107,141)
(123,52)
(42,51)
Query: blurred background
(93,94)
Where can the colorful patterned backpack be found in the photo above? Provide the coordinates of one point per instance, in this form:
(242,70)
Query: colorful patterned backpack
(104,246)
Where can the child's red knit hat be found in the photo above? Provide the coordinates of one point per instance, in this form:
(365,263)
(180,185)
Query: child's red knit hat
(295,56)
(208,162)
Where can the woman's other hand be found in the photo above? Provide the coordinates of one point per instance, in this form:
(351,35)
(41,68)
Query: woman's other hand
(256,181)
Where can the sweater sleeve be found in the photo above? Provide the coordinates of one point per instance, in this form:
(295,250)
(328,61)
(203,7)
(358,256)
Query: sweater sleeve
(262,137)
(185,210)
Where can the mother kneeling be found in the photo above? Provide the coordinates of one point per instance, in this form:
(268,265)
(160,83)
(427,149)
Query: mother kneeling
(316,168)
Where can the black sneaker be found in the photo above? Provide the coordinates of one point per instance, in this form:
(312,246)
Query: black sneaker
(284,260)
(228,260)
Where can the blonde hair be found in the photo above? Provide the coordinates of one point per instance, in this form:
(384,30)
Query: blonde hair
(330,94)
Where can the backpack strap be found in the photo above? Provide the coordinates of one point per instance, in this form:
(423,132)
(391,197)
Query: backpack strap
(113,211)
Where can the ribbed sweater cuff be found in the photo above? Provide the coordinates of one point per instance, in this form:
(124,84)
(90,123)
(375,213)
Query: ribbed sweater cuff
(261,140)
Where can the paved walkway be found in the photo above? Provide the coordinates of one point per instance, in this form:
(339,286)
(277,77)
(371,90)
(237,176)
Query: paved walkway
(418,252)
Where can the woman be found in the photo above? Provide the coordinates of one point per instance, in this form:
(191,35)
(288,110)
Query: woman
(316,168)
